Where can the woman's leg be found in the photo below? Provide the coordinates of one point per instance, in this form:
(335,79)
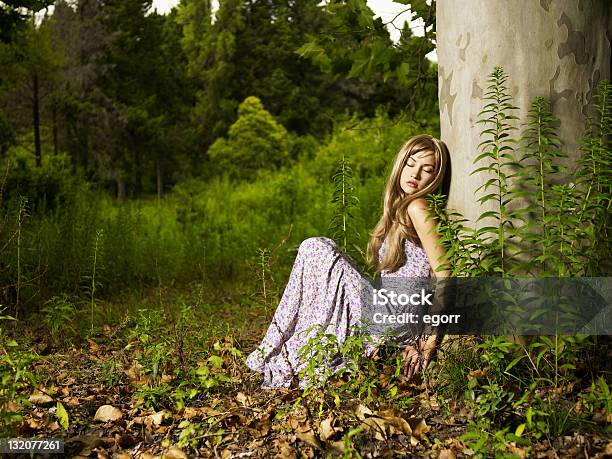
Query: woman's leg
(325,288)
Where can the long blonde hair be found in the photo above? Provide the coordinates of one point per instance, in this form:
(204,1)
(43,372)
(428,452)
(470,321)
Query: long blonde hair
(395,224)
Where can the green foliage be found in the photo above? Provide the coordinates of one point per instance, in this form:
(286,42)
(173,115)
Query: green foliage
(111,373)
(62,415)
(597,397)
(255,142)
(497,149)
(58,315)
(92,277)
(16,377)
(368,53)
(562,221)
(324,357)
(45,187)
(344,200)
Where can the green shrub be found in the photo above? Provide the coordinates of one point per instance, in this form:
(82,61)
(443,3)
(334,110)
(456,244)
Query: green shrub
(254,142)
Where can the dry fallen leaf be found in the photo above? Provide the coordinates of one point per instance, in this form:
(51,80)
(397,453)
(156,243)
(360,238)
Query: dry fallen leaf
(40,399)
(447,454)
(86,443)
(362,411)
(205,411)
(174,453)
(326,428)
(108,413)
(284,449)
(71,401)
(243,399)
(94,348)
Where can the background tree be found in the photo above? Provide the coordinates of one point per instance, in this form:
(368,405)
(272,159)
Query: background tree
(563,57)
(254,142)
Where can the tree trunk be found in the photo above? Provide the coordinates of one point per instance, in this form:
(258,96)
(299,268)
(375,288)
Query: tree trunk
(137,173)
(160,180)
(120,188)
(36,118)
(559,50)
(55,138)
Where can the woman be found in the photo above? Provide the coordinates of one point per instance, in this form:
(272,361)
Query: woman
(326,286)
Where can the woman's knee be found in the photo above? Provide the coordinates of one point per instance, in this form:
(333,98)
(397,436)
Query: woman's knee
(314,243)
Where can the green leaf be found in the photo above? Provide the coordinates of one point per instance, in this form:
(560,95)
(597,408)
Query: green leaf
(62,415)
(216,361)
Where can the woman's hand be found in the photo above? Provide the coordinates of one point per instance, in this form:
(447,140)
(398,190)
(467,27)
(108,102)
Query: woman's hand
(416,358)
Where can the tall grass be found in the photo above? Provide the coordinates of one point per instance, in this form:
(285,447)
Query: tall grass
(202,233)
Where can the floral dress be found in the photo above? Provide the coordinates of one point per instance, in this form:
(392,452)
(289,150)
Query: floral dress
(325,288)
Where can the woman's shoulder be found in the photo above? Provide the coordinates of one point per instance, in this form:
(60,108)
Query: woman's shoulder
(417,206)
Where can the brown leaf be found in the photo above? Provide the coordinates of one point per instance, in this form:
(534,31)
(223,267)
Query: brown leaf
(419,427)
(126,440)
(147,455)
(337,447)
(54,426)
(205,411)
(174,453)
(362,411)
(94,347)
(166,378)
(243,399)
(397,424)
(326,428)
(447,454)
(34,424)
(284,449)
(86,443)
(262,426)
(71,401)
(40,399)
(309,438)
(477,373)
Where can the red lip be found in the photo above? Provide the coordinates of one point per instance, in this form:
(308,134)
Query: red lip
(412,182)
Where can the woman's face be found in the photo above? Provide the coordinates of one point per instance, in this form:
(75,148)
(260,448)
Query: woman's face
(418,172)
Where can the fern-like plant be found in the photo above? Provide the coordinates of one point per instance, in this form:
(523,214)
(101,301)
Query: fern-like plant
(541,154)
(342,225)
(92,278)
(498,153)
(594,182)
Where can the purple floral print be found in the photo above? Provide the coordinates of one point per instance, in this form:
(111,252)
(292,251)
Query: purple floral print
(325,288)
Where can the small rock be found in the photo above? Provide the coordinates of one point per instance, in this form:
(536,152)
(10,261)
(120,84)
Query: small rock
(108,413)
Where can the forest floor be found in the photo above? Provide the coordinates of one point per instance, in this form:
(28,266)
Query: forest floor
(123,400)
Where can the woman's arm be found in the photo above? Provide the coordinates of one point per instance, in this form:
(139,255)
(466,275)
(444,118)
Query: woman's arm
(416,358)
(425,226)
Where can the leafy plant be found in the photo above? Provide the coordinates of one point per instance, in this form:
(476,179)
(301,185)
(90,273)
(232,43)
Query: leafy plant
(92,277)
(497,149)
(15,377)
(58,315)
(597,397)
(342,225)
